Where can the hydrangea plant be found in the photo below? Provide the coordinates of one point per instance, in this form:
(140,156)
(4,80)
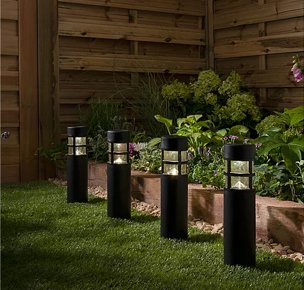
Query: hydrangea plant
(224,102)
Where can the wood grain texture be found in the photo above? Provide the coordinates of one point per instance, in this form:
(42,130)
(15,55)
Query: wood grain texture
(260,46)
(282,43)
(9,80)
(210,34)
(255,13)
(9,45)
(9,10)
(187,7)
(10,173)
(11,156)
(131,63)
(10,113)
(48,82)
(131,31)
(29,125)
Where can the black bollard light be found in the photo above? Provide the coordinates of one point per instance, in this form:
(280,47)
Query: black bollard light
(239,206)
(119,175)
(174,187)
(77,164)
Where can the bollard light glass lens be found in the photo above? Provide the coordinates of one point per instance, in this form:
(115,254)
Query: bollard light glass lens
(241,167)
(80,141)
(119,158)
(173,156)
(119,153)
(77,145)
(80,151)
(70,150)
(70,141)
(239,182)
(172,169)
(119,147)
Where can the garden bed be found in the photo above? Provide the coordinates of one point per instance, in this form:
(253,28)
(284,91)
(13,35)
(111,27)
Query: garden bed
(282,221)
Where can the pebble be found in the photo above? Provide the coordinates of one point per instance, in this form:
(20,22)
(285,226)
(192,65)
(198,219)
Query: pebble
(266,244)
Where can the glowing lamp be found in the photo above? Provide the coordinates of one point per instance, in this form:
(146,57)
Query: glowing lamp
(77,164)
(239,205)
(119,174)
(174,187)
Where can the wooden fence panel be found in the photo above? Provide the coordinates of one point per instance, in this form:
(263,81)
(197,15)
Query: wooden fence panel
(19,99)
(103,41)
(10,109)
(186,7)
(48,81)
(260,45)
(28,93)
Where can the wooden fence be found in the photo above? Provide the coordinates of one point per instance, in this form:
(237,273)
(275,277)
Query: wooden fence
(19,103)
(100,49)
(106,46)
(258,39)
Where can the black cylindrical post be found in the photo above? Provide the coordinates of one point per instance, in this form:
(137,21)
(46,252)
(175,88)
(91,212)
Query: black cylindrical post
(174,188)
(77,165)
(239,206)
(119,175)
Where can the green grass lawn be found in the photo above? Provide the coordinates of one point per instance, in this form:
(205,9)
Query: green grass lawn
(49,244)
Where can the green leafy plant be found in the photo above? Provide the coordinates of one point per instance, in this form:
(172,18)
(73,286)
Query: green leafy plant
(148,159)
(232,85)
(237,108)
(284,145)
(225,103)
(197,131)
(207,168)
(177,90)
(151,102)
(190,127)
(56,153)
(102,116)
(201,133)
(208,81)
(98,146)
(276,181)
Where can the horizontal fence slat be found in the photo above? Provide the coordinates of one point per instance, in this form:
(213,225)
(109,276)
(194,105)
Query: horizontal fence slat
(255,13)
(187,7)
(9,63)
(131,31)
(9,45)
(9,115)
(9,80)
(282,43)
(9,10)
(131,63)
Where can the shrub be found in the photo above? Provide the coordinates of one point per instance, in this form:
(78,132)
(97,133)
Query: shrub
(207,168)
(284,144)
(208,81)
(276,181)
(101,117)
(225,103)
(147,159)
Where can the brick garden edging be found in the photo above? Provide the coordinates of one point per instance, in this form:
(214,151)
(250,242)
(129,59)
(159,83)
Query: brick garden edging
(282,221)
